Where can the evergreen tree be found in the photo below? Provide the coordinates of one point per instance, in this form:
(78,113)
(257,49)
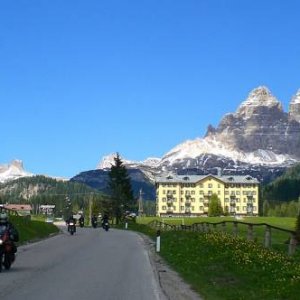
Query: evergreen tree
(266,207)
(120,189)
(215,207)
(297,229)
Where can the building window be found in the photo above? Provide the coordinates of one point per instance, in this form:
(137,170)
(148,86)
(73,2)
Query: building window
(163,207)
(192,192)
(201,192)
(201,199)
(182,207)
(164,199)
(201,207)
(164,191)
(209,185)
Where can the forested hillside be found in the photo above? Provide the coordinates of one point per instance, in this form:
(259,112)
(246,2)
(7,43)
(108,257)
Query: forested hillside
(284,188)
(39,190)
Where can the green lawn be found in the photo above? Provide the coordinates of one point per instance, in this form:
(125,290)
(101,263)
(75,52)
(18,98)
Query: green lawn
(220,266)
(32,230)
(287,223)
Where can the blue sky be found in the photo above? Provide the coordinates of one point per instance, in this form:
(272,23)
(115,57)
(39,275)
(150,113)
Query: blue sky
(82,79)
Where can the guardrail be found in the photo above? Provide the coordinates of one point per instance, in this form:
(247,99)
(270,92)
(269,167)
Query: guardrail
(222,226)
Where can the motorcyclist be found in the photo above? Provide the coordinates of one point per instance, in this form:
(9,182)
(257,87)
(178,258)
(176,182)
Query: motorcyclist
(104,220)
(94,221)
(13,233)
(71,219)
(81,220)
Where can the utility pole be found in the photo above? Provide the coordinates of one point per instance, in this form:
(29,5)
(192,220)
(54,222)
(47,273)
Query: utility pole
(140,202)
(90,209)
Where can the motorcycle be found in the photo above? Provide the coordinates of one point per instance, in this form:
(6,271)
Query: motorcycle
(81,223)
(7,256)
(71,228)
(105,226)
(94,223)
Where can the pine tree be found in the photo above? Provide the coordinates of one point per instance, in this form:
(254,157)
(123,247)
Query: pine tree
(215,207)
(297,229)
(120,189)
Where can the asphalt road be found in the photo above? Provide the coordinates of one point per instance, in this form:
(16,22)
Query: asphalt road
(92,264)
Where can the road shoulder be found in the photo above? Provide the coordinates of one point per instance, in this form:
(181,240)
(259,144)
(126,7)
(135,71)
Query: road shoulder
(172,285)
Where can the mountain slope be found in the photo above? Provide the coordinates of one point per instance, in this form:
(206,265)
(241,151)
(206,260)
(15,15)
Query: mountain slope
(259,139)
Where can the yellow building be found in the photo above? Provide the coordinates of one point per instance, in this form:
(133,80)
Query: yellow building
(189,195)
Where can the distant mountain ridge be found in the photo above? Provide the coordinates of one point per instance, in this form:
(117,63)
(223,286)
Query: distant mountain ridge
(259,138)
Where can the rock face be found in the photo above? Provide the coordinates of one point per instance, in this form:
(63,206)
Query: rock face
(261,124)
(294,109)
(259,139)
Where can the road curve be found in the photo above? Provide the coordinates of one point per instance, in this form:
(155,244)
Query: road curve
(92,264)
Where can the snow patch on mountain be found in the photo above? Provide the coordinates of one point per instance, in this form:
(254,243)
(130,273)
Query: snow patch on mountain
(210,145)
(13,171)
(296,98)
(108,161)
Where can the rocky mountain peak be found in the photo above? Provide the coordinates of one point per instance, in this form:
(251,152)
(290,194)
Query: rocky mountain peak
(258,97)
(294,108)
(13,171)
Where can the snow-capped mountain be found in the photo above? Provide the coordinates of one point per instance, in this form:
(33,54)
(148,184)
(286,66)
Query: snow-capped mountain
(12,171)
(108,161)
(259,137)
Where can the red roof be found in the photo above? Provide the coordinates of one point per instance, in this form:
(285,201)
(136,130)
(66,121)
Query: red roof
(18,207)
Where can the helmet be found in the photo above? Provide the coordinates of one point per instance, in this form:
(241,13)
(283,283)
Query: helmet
(3,218)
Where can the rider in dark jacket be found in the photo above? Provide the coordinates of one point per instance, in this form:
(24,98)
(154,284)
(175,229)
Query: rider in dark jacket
(104,220)
(81,220)
(13,233)
(94,221)
(71,219)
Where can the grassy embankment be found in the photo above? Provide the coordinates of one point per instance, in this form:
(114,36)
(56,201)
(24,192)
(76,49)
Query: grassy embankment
(219,266)
(32,230)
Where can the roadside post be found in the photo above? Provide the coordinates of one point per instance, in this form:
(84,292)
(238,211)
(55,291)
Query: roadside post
(126,225)
(158,241)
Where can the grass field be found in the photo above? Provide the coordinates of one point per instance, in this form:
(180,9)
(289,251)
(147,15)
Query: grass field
(220,266)
(32,230)
(286,223)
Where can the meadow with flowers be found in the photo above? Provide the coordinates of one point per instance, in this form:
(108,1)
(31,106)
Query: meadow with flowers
(220,266)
